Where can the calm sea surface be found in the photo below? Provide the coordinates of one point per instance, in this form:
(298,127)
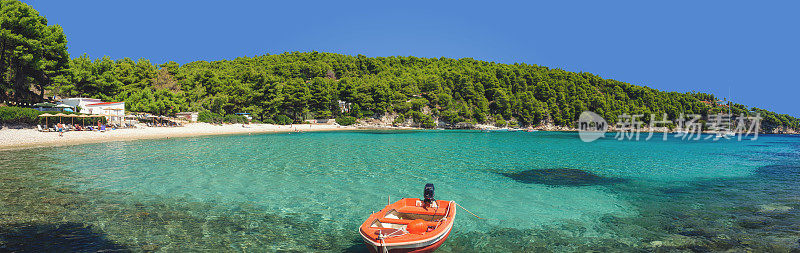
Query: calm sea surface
(542,191)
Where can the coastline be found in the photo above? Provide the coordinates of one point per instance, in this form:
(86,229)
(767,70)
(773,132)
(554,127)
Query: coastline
(25,138)
(13,139)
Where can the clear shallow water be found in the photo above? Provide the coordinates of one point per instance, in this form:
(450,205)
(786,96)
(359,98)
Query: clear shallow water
(310,191)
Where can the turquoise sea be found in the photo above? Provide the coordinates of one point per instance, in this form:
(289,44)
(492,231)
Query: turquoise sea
(308,192)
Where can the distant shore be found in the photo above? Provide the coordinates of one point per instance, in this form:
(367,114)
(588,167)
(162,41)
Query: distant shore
(11,139)
(31,138)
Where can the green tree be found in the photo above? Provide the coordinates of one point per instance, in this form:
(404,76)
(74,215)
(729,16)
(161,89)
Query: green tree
(33,55)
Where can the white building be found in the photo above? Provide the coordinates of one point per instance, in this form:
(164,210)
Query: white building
(96,106)
(190,116)
(79,103)
(116,109)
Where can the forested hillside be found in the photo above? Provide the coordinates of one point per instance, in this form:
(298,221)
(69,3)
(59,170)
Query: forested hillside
(310,85)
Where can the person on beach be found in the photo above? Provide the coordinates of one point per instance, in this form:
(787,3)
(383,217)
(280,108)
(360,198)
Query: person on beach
(60,129)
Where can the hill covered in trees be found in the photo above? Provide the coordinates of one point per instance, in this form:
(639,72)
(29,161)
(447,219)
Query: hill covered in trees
(309,85)
(312,84)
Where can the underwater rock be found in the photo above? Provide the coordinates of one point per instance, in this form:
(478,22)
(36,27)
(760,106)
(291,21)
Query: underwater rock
(754,222)
(55,237)
(773,208)
(561,177)
(149,247)
(696,233)
(779,170)
(676,241)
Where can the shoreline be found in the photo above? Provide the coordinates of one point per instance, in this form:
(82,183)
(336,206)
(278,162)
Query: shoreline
(26,138)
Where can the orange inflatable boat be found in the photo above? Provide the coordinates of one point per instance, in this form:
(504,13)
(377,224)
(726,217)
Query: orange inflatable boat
(410,225)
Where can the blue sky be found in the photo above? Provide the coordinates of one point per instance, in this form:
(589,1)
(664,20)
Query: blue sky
(750,48)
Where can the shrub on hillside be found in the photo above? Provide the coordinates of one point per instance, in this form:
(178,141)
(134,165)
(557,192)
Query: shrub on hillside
(209,117)
(232,118)
(450,116)
(367,113)
(323,114)
(426,121)
(18,115)
(345,120)
(399,120)
(418,103)
(282,119)
(402,107)
(422,119)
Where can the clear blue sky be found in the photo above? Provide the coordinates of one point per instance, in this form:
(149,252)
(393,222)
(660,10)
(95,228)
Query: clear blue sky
(709,46)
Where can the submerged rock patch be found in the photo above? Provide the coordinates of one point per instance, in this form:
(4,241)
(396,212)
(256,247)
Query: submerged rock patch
(55,237)
(779,171)
(561,177)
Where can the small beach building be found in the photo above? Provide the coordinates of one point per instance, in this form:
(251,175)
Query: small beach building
(246,115)
(107,108)
(189,116)
(79,103)
(114,111)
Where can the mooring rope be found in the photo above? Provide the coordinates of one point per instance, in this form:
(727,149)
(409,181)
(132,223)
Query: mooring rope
(382,237)
(476,216)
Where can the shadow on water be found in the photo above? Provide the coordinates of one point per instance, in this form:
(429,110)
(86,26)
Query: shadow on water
(357,246)
(55,237)
(561,177)
(779,170)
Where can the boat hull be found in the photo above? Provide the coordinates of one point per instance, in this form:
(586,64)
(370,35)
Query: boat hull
(429,248)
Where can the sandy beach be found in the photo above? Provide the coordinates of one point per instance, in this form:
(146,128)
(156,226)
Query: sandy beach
(29,138)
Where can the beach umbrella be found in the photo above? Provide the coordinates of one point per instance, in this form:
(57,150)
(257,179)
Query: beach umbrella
(75,116)
(59,115)
(83,117)
(45,115)
(99,116)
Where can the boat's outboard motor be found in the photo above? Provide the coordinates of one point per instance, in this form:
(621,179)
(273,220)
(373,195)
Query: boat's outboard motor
(428,193)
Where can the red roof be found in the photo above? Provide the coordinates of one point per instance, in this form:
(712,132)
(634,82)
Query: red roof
(106,103)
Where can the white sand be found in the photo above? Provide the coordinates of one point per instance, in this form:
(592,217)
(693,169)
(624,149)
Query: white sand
(27,138)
